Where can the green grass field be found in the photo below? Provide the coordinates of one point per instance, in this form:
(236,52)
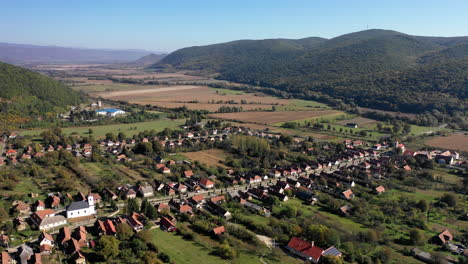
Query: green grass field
(227,91)
(100,131)
(183,251)
(309,210)
(324,118)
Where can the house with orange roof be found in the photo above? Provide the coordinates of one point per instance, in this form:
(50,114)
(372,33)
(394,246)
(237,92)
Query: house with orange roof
(348,194)
(218,230)
(47,219)
(206,184)
(305,250)
(11,153)
(188,173)
(379,190)
(444,237)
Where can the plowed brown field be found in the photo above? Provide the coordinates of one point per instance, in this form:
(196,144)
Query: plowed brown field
(456,141)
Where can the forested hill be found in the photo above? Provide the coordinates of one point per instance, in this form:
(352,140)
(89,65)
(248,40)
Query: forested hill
(221,57)
(379,69)
(26,93)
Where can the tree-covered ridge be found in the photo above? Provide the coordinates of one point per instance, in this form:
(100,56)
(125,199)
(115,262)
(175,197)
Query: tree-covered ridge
(27,93)
(380,69)
(459,51)
(213,58)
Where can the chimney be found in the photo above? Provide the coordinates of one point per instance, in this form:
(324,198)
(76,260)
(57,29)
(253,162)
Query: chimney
(311,243)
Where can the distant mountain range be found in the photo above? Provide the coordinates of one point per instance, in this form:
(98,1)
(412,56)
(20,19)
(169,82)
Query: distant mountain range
(21,54)
(149,59)
(380,69)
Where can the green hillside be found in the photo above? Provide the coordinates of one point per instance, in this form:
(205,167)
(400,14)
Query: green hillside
(26,93)
(219,57)
(380,69)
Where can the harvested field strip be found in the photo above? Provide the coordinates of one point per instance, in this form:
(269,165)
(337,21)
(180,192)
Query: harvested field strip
(457,141)
(146,91)
(200,106)
(191,93)
(272,117)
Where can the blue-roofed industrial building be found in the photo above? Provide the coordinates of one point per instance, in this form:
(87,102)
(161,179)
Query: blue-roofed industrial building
(111,112)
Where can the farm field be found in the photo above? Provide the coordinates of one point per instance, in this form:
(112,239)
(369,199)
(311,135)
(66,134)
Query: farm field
(108,87)
(195,97)
(456,141)
(160,76)
(273,117)
(100,131)
(211,157)
(190,93)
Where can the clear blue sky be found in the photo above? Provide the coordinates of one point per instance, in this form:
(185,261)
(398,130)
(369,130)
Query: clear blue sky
(167,25)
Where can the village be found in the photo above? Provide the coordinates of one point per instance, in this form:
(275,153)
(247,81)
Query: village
(66,220)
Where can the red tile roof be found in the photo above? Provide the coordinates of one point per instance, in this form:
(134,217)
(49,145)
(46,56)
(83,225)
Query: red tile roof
(110,227)
(11,151)
(66,234)
(314,252)
(380,189)
(198,198)
(305,247)
(445,236)
(298,244)
(22,206)
(43,213)
(217,199)
(218,230)
(348,194)
(185,208)
(206,182)
(5,257)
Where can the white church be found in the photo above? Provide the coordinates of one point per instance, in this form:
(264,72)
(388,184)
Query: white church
(81,208)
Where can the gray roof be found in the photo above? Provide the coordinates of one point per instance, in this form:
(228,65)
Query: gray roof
(332,251)
(53,219)
(253,205)
(26,253)
(78,205)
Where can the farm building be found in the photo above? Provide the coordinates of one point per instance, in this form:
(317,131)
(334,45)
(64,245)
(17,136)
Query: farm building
(110,112)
